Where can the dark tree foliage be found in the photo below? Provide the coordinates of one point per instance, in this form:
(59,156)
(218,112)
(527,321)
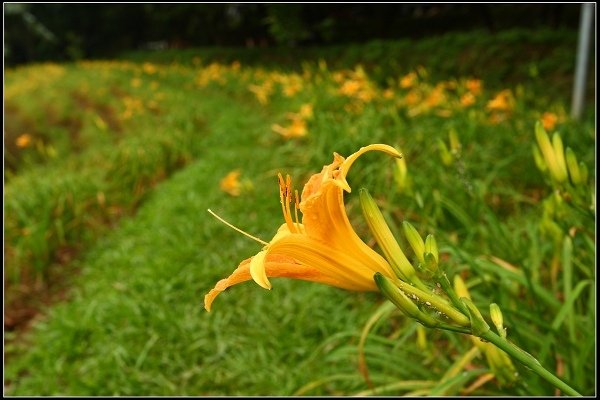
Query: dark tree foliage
(62,31)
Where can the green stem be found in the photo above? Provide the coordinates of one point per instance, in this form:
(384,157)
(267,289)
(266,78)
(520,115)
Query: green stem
(442,279)
(529,361)
(434,301)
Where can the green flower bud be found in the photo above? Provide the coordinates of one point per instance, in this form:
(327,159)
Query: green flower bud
(496,315)
(547,150)
(384,237)
(431,247)
(415,240)
(539,159)
(573,166)
(559,152)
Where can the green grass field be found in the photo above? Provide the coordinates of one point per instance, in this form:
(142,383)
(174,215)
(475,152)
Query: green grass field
(110,167)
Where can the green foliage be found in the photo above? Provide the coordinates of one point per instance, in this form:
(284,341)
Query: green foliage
(152,140)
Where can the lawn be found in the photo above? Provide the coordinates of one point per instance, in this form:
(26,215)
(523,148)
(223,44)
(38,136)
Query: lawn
(111,165)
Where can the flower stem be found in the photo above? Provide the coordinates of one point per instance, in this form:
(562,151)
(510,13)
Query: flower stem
(434,301)
(529,361)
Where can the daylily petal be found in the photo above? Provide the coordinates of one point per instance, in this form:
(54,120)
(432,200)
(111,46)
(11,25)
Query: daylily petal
(257,270)
(276,266)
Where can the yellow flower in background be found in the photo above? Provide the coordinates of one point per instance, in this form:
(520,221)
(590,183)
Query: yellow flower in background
(350,88)
(408,80)
(136,82)
(322,248)
(262,92)
(296,129)
(23,140)
(306,111)
(467,99)
(388,94)
(230,184)
(549,121)
(149,68)
(503,101)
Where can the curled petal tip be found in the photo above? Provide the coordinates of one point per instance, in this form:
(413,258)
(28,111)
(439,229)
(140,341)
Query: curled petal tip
(257,270)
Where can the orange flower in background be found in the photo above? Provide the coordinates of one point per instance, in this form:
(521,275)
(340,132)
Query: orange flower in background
(350,88)
(474,86)
(504,101)
(436,96)
(324,247)
(412,97)
(23,140)
(230,184)
(408,80)
(549,120)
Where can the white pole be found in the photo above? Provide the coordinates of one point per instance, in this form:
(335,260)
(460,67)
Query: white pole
(585,24)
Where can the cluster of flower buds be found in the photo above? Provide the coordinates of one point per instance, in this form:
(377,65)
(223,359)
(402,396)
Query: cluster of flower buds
(423,291)
(561,165)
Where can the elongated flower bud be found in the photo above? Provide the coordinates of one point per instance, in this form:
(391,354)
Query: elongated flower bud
(460,287)
(431,247)
(496,315)
(401,174)
(415,240)
(539,159)
(573,167)
(559,152)
(384,237)
(547,150)
(400,300)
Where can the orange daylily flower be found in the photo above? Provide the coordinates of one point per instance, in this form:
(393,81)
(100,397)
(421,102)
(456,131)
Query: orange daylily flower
(474,86)
(323,248)
(408,80)
(503,101)
(549,120)
(23,140)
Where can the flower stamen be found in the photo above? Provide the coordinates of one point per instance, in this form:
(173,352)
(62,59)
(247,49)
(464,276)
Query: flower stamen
(285,194)
(237,229)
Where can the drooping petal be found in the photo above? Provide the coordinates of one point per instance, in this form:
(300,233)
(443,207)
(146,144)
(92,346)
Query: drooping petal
(276,266)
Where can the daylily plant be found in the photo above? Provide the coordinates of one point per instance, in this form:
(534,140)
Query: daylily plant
(323,247)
